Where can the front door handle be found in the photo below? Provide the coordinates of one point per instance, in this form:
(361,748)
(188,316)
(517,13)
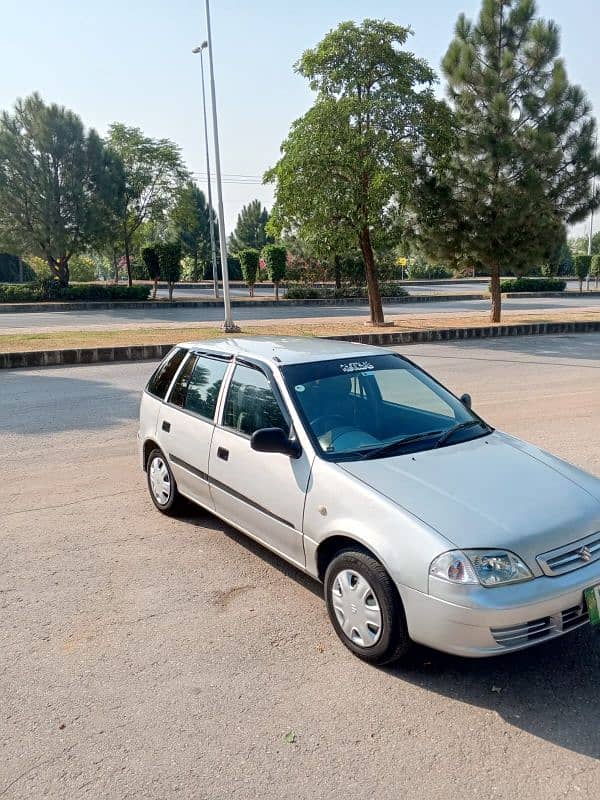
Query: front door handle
(223,453)
(166,426)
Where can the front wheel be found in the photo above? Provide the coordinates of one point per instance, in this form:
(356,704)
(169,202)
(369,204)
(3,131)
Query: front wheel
(365,608)
(161,484)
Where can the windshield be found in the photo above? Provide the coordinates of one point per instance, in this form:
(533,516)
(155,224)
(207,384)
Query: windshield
(377,406)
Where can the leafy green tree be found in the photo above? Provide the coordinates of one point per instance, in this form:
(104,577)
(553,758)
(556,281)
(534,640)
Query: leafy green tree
(523,156)
(154,173)
(595,267)
(169,260)
(82,268)
(275,257)
(58,184)
(250,230)
(249,263)
(582,266)
(190,218)
(152,264)
(348,160)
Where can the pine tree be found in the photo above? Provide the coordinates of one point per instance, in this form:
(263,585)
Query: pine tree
(523,155)
(250,229)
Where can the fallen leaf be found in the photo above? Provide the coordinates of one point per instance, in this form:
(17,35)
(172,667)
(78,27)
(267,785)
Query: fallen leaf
(290,737)
(497,689)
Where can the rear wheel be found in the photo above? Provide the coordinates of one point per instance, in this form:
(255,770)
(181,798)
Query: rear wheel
(365,608)
(161,484)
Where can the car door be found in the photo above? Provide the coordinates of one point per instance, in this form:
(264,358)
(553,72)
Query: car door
(186,423)
(261,493)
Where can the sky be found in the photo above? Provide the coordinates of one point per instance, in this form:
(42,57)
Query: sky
(130,61)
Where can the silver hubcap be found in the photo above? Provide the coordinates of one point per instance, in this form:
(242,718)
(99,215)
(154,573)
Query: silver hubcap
(356,608)
(160,481)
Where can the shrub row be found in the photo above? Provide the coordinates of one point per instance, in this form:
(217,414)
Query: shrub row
(51,290)
(303,292)
(417,272)
(20,293)
(533,285)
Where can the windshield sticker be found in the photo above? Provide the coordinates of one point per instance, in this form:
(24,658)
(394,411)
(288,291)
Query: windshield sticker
(300,388)
(356,366)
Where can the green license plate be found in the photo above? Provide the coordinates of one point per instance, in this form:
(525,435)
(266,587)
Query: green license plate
(592,598)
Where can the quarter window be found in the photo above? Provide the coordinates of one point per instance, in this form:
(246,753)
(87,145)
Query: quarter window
(250,403)
(159,383)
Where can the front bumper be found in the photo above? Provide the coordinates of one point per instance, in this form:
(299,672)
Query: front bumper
(474,621)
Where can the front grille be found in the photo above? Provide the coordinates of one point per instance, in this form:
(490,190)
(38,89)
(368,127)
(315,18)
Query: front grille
(543,628)
(571,556)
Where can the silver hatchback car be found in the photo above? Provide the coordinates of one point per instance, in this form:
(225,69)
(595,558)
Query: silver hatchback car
(423,523)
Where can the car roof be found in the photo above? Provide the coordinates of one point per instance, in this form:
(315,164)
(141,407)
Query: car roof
(279,350)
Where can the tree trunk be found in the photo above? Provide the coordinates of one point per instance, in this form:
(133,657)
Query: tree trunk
(496,309)
(170,291)
(337,268)
(276,290)
(375,307)
(580,285)
(155,288)
(128,262)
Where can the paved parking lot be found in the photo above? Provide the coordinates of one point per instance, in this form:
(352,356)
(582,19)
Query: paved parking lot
(142,657)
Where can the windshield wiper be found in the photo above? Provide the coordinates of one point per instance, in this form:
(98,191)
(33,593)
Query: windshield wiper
(397,444)
(460,427)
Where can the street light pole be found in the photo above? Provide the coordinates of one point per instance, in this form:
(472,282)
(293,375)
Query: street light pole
(211,222)
(229,325)
(591,232)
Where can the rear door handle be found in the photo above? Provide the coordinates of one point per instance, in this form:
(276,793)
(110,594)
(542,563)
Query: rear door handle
(223,453)
(166,426)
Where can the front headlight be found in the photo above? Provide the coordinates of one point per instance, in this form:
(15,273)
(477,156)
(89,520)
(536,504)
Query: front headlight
(487,567)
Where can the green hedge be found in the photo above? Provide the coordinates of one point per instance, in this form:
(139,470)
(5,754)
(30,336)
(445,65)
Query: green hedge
(98,291)
(533,285)
(20,293)
(302,292)
(427,272)
(50,290)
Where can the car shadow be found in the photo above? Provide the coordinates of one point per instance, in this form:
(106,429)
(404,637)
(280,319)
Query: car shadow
(550,690)
(200,518)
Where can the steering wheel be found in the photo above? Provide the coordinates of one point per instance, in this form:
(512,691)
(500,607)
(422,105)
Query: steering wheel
(317,422)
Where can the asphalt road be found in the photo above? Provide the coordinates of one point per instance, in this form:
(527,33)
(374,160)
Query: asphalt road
(124,318)
(451,287)
(143,657)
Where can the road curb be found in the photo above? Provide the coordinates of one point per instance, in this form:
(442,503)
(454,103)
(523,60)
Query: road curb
(152,352)
(99,305)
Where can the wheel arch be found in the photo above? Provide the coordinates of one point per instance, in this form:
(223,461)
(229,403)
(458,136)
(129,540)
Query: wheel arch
(149,446)
(329,547)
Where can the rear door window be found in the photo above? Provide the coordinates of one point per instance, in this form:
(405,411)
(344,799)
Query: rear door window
(159,383)
(198,385)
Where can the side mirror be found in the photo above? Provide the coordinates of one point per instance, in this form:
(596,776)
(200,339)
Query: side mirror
(465,399)
(275,440)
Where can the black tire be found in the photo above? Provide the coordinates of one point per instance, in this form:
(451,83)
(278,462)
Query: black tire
(394,642)
(173,505)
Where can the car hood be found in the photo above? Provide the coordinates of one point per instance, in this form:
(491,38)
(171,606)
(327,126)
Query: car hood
(493,491)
